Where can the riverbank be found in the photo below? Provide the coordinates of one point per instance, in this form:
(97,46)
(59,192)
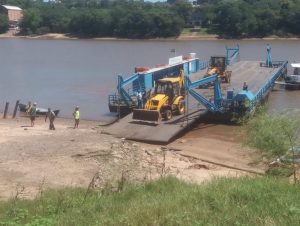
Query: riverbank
(32,158)
(183,37)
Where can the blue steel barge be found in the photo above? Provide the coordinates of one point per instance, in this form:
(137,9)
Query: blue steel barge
(218,99)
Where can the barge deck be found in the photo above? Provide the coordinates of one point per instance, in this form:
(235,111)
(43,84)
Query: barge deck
(258,78)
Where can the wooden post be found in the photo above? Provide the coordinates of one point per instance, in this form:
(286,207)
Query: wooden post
(6,109)
(16,108)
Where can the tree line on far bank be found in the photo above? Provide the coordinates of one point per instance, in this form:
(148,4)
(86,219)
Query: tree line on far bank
(125,21)
(142,20)
(256,18)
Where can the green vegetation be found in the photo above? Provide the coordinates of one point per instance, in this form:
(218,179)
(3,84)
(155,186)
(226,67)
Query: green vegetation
(243,201)
(125,19)
(257,18)
(138,19)
(274,134)
(3,23)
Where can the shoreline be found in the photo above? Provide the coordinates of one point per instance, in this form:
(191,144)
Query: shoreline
(65,157)
(57,36)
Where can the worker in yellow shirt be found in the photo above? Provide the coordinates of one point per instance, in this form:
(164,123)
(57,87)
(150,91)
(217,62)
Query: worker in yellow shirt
(76,115)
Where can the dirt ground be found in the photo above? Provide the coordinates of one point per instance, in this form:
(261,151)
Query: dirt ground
(35,158)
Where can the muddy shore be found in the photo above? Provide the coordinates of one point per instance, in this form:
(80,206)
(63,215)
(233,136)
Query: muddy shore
(35,158)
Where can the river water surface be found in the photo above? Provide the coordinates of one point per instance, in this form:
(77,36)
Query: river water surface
(64,73)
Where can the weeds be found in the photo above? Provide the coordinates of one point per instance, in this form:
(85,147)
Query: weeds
(128,163)
(273,134)
(167,201)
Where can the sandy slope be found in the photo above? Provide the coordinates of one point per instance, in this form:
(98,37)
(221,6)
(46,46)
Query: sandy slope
(35,157)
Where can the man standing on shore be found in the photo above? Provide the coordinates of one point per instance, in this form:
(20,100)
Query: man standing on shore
(51,115)
(32,114)
(76,115)
(28,107)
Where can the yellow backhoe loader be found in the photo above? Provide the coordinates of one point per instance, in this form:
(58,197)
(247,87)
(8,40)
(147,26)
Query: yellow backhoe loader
(218,66)
(167,99)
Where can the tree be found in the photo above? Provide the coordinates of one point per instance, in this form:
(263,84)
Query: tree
(92,23)
(31,21)
(235,19)
(290,17)
(183,9)
(3,23)
(56,19)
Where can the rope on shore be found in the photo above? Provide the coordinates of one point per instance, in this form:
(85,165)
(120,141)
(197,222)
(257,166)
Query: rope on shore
(111,122)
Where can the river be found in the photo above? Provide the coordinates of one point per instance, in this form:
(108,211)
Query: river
(64,73)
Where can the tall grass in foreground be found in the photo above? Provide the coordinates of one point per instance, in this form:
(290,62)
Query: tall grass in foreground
(168,201)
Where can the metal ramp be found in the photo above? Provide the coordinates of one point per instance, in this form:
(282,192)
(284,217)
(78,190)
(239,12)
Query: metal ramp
(161,132)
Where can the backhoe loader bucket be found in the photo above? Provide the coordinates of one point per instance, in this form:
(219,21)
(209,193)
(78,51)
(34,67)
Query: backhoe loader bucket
(145,115)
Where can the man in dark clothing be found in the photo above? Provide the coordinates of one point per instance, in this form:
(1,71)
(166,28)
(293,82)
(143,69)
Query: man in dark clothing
(245,86)
(51,115)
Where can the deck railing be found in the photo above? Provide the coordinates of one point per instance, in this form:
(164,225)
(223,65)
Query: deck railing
(203,65)
(282,65)
(232,55)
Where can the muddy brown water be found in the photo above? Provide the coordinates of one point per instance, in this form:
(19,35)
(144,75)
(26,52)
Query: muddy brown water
(64,73)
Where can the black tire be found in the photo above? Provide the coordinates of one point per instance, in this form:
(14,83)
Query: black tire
(180,107)
(167,114)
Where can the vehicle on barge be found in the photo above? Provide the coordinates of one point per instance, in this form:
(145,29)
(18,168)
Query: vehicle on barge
(221,99)
(293,81)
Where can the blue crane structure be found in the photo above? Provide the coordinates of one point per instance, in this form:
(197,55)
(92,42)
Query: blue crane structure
(125,99)
(234,102)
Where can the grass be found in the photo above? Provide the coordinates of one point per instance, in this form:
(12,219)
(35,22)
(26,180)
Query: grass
(168,201)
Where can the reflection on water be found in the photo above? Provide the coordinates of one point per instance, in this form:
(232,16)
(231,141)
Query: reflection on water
(64,73)
(281,100)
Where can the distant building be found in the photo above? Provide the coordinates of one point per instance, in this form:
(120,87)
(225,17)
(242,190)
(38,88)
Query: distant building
(14,14)
(197,19)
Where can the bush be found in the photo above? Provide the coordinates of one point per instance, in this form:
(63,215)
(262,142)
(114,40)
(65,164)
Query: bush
(274,134)
(3,23)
